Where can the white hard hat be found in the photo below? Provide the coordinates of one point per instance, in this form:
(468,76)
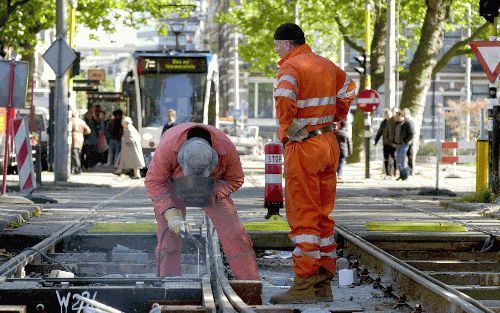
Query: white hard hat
(197,157)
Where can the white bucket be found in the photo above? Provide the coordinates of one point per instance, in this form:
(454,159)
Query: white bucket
(346,277)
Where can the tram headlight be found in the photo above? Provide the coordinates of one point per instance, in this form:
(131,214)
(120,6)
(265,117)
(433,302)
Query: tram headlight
(147,136)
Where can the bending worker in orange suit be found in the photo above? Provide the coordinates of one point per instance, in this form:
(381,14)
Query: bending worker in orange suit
(310,95)
(199,150)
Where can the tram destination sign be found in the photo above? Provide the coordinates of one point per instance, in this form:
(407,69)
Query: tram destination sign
(156,65)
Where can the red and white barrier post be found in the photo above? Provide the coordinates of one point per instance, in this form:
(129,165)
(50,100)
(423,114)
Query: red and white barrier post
(273,194)
(24,157)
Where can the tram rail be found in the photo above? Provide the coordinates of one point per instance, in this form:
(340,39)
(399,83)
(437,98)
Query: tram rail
(211,290)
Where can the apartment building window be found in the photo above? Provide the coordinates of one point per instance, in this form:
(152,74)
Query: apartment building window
(450,38)
(260,100)
(480,92)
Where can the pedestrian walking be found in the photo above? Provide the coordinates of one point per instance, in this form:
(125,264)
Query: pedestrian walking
(311,93)
(115,131)
(78,129)
(410,153)
(90,150)
(192,149)
(403,137)
(344,146)
(131,151)
(102,138)
(386,132)
(171,120)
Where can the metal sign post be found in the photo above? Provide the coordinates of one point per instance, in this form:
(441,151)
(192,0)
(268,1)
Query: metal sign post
(8,127)
(368,135)
(60,57)
(368,101)
(439,113)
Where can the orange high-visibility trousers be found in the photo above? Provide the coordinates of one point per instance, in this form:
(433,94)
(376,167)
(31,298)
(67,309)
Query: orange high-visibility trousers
(310,187)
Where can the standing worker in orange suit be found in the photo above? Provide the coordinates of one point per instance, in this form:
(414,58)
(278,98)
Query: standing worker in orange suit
(310,95)
(198,150)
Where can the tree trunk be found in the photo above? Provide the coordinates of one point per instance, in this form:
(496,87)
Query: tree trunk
(420,70)
(377,60)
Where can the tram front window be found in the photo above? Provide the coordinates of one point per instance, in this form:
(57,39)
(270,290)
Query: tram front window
(180,92)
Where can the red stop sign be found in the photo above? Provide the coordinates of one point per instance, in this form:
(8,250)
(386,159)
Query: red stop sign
(368,100)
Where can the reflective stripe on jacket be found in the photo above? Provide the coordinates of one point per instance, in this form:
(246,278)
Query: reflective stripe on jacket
(312,90)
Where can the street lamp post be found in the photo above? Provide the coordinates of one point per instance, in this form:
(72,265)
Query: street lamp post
(177,28)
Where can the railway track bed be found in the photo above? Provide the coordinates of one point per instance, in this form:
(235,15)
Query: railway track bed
(118,270)
(116,273)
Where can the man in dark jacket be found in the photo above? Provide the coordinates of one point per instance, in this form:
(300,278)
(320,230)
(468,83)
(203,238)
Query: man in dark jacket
(344,146)
(386,131)
(115,131)
(403,137)
(409,154)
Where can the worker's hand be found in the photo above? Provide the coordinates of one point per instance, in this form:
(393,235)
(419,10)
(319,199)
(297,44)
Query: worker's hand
(174,219)
(221,189)
(299,135)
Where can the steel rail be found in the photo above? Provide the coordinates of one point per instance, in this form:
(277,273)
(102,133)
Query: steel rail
(412,273)
(98,305)
(22,259)
(210,292)
(220,276)
(454,298)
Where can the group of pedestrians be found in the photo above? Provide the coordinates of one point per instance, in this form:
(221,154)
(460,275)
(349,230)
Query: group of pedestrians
(397,131)
(97,140)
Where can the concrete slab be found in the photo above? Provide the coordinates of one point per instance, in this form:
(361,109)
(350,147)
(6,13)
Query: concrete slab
(25,214)
(14,199)
(11,218)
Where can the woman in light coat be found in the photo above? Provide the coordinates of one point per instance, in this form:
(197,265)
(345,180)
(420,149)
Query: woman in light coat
(78,128)
(131,152)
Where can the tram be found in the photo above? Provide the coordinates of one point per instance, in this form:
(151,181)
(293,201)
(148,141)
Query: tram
(186,82)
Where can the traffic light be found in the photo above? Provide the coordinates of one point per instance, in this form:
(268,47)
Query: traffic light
(361,69)
(75,68)
(489,9)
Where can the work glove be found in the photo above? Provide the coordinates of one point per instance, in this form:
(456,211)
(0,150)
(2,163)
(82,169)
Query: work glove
(296,132)
(221,189)
(174,219)
(299,135)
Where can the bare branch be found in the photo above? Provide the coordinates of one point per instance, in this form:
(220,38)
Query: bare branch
(459,48)
(347,39)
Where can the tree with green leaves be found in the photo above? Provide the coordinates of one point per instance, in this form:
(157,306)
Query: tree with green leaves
(22,20)
(326,21)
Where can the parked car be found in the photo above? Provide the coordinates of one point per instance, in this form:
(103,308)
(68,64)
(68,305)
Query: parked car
(246,139)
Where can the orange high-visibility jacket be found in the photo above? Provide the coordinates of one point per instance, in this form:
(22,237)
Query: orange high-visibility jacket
(311,89)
